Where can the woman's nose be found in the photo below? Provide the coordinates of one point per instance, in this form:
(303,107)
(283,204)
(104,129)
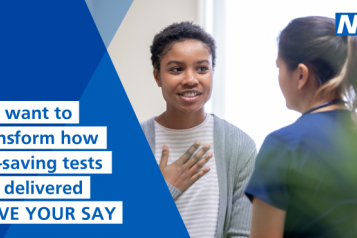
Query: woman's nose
(190,79)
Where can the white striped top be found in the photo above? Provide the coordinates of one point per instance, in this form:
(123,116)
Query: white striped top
(198,205)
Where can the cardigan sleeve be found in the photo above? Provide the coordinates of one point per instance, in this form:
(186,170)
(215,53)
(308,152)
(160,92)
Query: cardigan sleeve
(173,190)
(242,208)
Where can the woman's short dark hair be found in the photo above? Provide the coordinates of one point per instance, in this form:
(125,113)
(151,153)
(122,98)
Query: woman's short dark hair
(178,32)
(333,59)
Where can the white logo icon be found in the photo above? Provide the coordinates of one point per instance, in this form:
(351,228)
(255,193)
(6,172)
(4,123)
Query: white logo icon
(351,27)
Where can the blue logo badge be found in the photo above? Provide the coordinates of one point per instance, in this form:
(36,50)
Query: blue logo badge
(346,24)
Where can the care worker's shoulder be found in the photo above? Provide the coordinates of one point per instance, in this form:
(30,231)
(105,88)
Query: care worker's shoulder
(288,135)
(231,135)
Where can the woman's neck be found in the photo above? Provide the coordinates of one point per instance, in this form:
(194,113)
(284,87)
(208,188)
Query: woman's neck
(315,103)
(175,119)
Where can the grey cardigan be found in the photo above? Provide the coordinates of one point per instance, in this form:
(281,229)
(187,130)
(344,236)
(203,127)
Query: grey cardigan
(235,154)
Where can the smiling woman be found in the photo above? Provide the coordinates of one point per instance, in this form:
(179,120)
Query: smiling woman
(186,82)
(214,205)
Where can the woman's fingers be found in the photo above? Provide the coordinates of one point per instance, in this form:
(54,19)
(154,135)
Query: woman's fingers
(164,157)
(186,170)
(198,175)
(200,163)
(194,159)
(187,155)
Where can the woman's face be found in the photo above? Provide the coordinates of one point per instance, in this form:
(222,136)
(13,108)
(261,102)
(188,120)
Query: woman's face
(288,85)
(186,76)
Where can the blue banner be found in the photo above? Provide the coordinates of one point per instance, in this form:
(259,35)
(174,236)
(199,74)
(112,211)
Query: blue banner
(55,51)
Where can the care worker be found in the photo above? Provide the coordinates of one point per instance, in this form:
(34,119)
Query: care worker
(305,180)
(211,200)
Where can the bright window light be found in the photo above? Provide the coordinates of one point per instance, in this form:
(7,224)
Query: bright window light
(253,98)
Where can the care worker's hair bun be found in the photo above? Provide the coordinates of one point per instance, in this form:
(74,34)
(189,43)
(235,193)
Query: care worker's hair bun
(333,59)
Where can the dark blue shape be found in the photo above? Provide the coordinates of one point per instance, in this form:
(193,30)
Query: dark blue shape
(52,50)
(49,50)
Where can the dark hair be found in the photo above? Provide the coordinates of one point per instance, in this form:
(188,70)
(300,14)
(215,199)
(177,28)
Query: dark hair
(333,59)
(178,32)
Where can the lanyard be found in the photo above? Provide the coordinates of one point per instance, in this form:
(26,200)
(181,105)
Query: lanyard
(335,101)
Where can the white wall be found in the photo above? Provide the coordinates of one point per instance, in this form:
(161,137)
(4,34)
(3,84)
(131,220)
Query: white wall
(130,49)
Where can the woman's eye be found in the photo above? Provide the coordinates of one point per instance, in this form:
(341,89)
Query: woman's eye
(176,69)
(202,68)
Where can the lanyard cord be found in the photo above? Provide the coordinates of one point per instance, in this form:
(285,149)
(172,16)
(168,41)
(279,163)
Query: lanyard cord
(335,101)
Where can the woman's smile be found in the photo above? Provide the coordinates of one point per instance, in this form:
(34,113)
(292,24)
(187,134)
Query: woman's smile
(190,96)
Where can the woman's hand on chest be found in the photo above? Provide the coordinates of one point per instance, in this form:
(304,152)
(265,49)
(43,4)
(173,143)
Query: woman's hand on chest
(187,169)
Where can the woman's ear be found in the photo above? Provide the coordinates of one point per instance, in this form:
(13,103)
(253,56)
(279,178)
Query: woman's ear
(157,77)
(302,74)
